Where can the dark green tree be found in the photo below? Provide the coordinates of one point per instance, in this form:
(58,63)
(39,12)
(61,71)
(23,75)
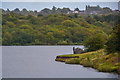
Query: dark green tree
(76,9)
(95,42)
(113,44)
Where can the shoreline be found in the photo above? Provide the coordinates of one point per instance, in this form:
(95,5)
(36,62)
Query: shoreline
(99,60)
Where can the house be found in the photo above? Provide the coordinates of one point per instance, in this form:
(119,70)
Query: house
(93,9)
(76,12)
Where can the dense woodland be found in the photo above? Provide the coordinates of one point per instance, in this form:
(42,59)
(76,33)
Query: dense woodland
(55,29)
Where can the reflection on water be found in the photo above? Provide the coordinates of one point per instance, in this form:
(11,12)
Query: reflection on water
(39,62)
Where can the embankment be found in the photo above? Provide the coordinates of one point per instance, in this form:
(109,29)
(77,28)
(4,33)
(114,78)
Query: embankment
(99,60)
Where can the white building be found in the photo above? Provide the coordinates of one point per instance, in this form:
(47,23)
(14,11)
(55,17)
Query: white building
(76,12)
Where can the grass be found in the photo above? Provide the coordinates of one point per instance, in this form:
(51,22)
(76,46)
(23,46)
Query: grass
(99,60)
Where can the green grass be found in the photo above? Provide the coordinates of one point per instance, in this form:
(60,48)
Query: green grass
(99,60)
(72,61)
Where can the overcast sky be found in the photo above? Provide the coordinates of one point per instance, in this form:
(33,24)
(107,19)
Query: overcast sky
(59,0)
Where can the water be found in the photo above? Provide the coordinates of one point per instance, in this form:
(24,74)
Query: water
(41,5)
(39,62)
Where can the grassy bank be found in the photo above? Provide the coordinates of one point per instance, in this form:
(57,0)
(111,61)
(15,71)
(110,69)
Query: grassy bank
(99,60)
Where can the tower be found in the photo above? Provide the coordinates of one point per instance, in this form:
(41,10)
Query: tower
(86,7)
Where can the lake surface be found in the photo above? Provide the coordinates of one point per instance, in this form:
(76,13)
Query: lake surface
(39,62)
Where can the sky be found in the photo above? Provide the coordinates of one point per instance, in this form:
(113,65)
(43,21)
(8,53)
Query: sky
(59,0)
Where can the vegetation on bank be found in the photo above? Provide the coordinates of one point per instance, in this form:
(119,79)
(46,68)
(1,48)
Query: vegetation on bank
(55,29)
(103,55)
(99,60)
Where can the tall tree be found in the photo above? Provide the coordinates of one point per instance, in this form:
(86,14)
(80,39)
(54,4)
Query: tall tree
(113,44)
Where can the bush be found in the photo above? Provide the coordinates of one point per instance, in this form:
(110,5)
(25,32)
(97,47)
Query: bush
(107,68)
(69,23)
(94,43)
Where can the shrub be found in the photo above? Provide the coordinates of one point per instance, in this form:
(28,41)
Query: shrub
(94,43)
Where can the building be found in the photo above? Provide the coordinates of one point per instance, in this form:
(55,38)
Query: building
(97,10)
(81,12)
(93,8)
(76,12)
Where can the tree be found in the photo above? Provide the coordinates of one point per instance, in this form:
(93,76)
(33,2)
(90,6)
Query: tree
(54,9)
(113,44)
(69,23)
(24,11)
(76,15)
(16,10)
(22,37)
(95,42)
(7,39)
(46,11)
(65,10)
(10,24)
(12,19)
(40,15)
(76,9)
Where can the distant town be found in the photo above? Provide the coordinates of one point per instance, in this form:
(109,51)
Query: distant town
(89,10)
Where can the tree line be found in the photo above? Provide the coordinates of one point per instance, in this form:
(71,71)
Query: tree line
(55,29)
(111,44)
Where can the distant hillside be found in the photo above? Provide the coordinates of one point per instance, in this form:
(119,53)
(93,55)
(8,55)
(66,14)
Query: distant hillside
(55,29)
